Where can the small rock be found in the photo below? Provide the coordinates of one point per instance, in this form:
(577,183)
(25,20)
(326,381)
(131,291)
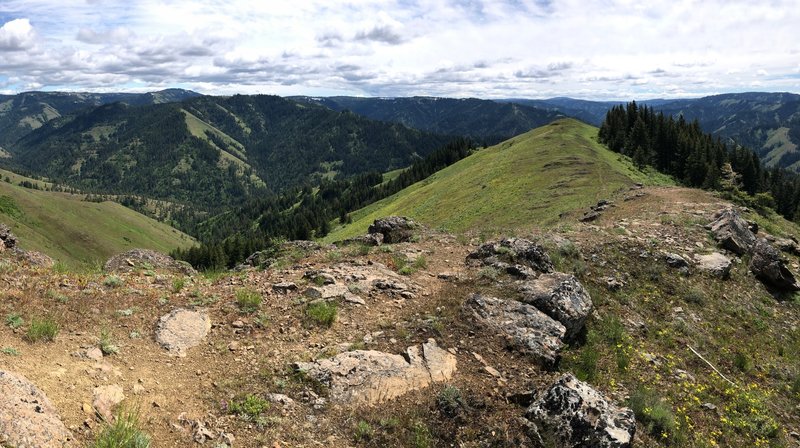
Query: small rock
(709,406)
(105,399)
(492,371)
(237,324)
(284,287)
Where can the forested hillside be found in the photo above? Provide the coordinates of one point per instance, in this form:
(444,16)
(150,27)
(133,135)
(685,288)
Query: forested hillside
(483,120)
(213,151)
(681,149)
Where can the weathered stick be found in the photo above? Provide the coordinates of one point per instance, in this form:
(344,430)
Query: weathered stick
(710,365)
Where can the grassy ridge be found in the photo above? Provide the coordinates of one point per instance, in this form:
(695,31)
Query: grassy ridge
(529,180)
(77,232)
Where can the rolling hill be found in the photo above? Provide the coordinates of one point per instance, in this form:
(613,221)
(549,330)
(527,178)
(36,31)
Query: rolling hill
(25,112)
(533,179)
(212,151)
(77,232)
(485,120)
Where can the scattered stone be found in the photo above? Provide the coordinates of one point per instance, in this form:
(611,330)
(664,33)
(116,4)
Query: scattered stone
(279,398)
(560,296)
(370,239)
(395,229)
(237,324)
(94,354)
(709,406)
(200,431)
(571,413)
(372,377)
(234,346)
(732,232)
(260,259)
(675,261)
(284,287)
(136,259)
(714,263)
(182,329)
(105,399)
(613,284)
(8,239)
(530,331)
(508,252)
(319,277)
(492,371)
(354,299)
(589,216)
(27,417)
(769,267)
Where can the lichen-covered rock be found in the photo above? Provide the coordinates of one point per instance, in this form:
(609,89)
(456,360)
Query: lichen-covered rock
(182,329)
(528,330)
(732,232)
(33,258)
(513,255)
(572,414)
(560,296)
(136,259)
(675,261)
(395,229)
(27,417)
(715,264)
(371,377)
(769,267)
(8,239)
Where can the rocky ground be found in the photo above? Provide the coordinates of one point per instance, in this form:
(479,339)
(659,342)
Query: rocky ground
(602,332)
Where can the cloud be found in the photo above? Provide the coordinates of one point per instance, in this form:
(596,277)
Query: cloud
(383,33)
(17,35)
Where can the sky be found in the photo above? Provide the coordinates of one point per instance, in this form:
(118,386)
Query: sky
(591,49)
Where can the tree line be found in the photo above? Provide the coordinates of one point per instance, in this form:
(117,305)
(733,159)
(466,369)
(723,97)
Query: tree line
(682,150)
(303,212)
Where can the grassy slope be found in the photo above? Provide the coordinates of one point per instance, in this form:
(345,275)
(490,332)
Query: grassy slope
(528,180)
(78,232)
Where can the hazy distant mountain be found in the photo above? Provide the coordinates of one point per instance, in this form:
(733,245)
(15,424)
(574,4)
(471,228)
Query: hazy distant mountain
(481,119)
(24,112)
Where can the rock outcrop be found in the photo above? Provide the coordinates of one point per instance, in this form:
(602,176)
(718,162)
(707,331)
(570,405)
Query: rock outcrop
(371,377)
(370,239)
(732,232)
(560,296)
(395,229)
(182,329)
(572,414)
(8,240)
(27,417)
(528,330)
(136,259)
(517,256)
(769,266)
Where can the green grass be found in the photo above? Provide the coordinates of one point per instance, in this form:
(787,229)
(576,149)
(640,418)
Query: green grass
(538,175)
(106,343)
(322,313)
(42,329)
(83,231)
(14,320)
(248,300)
(249,407)
(124,432)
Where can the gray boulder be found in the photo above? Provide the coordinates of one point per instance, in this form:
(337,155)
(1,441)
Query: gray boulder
(527,329)
(732,232)
(27,417)
(715,264)
(371,377)
(395,229)
(560,296)
(769,267)
(675,261)
(516,256)
(182,329)
(572,414)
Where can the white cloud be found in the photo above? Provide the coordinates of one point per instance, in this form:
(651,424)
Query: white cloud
(17,35)
(484,48)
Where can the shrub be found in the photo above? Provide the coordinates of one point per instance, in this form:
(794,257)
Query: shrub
(250,407)
(363,431)
(106,343)
(742,362)
(124,432)
(178,284)
(421,436)
(112,281)
(655,415)
(248,300)
(42,329)
(449,401)
(322,313)
(14,320)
